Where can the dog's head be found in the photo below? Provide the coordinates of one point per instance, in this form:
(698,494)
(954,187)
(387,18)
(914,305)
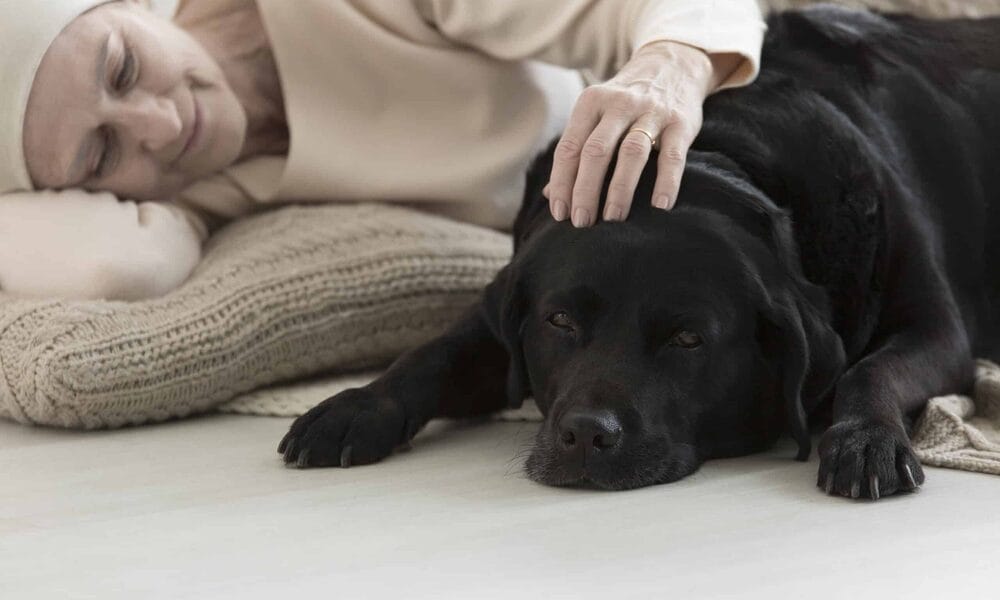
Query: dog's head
(654,344)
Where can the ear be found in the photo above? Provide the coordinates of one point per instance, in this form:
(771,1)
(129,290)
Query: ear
(810,355)
(795,319)
(503,310)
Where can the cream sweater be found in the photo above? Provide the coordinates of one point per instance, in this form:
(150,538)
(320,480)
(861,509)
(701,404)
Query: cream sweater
(437,103)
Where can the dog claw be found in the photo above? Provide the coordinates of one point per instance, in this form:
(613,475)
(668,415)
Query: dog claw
(828,486)
(910,481)
(873,487)
(290,451)
(345,457)
(303,460)
(855,489)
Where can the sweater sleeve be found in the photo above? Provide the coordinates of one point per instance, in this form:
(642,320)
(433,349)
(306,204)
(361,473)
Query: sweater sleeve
(82,245)
(599,36)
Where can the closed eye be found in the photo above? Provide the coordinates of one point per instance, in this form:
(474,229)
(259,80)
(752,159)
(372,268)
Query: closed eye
(127,74)
(123,78)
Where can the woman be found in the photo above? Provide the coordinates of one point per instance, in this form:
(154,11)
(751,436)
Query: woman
(147,133)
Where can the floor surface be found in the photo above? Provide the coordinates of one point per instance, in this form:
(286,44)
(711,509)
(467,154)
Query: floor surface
(204,509)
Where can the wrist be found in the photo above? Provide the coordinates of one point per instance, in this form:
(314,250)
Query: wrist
(709,70)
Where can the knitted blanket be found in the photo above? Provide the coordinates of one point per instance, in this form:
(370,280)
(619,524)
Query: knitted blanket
(279,296)
(963,432)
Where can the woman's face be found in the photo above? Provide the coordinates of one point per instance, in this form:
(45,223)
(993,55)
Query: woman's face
(127,102)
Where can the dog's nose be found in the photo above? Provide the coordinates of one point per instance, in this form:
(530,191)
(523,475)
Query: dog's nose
(589,429)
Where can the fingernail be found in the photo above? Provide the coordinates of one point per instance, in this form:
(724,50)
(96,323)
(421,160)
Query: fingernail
(613,213)
(662,202)
(581,217)
(559,210)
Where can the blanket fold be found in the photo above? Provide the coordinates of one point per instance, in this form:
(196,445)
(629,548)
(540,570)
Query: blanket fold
(963,432)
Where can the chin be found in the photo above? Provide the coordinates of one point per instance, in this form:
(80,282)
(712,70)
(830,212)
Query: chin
(648,464)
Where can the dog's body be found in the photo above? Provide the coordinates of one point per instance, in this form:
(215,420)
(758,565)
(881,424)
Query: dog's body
(829,258)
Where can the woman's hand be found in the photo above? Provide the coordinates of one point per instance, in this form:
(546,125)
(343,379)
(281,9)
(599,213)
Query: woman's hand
(654,101)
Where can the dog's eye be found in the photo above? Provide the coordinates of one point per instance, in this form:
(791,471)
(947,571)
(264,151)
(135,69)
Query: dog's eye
(685,339)
(561,320)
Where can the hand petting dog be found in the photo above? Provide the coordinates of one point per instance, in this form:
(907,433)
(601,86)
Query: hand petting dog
(655,101)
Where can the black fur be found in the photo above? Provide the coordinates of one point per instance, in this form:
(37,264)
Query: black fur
(836,245)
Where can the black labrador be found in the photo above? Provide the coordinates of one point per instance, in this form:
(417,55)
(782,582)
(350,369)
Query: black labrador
(833,261)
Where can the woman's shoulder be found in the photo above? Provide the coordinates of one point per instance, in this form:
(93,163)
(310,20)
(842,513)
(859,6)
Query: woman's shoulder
(188,12)
(238,190)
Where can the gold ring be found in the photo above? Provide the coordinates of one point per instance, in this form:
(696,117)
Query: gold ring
(652,139)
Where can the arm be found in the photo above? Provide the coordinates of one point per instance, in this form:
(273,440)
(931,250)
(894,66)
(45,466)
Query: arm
(663,58)
(81,245)
(600,36)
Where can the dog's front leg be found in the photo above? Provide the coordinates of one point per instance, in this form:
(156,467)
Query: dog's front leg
(459,374)
(866,452)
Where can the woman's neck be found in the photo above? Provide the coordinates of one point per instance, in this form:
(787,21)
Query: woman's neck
(233,33)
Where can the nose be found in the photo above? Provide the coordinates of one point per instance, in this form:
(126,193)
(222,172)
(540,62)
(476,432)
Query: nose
(589,429)
(152,120)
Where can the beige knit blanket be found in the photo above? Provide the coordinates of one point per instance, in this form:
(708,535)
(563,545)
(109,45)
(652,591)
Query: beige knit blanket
(278,296)
(963,432)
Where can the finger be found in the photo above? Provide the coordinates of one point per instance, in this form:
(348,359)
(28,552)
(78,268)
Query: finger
(633,154)
(595,158)
(566,158)
(558,212)
(674,144)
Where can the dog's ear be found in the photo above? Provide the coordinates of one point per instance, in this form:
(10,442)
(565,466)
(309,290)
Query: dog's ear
(794,331)
(809,355)
(503,309)
(808,352)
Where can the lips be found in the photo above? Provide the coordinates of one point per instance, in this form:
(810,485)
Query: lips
(194,133)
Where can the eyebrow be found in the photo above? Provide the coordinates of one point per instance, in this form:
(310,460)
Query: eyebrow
(90,140)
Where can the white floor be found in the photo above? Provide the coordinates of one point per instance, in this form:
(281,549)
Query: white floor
(204,509)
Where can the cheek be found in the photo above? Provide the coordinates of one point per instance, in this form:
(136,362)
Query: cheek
(169,54)
(545,356)
(727,374)
(229,128)
(539,368)
(691,385)
(730,385)
(143,180)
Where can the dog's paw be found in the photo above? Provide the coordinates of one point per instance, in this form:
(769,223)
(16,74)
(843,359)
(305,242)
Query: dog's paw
(867,459)
(355,427)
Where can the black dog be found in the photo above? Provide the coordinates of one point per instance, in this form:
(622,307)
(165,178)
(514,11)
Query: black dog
(827,264)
